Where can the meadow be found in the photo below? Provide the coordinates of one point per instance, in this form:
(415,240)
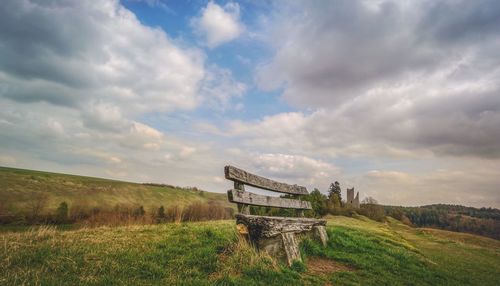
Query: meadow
(359,252)
(31,197)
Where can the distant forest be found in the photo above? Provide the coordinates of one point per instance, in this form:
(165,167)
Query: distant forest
(482,221)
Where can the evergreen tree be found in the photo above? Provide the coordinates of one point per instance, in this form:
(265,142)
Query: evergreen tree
(139,212)
(334,195)
(161,212)
(62,212)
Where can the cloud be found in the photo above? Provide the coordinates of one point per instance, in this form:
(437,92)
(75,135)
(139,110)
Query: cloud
(76,80)
(467,185)
(156,4)
(414,76)
(295,168)
(329,53)
(458,125)
(63,142)
(396,98)
(73,53)
(218,24)
(219,88)
(289,168)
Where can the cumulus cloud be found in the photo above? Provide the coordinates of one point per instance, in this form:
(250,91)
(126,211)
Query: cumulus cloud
(295,168)
(68,53)
(219,88)
(409,75)
(303,170)
(396,98)
(327,53)
(218,25)
(453,125)
(62,142)
(76,77)
(411,84)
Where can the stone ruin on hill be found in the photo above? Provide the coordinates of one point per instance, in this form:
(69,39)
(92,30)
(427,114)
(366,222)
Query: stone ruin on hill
(351,200)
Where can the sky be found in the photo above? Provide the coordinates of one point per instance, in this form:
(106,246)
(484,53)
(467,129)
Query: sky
(398,99)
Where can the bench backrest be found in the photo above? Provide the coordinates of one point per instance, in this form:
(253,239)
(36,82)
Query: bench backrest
(244,199)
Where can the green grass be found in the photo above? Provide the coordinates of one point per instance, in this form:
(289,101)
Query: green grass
(19,187)
(210,253)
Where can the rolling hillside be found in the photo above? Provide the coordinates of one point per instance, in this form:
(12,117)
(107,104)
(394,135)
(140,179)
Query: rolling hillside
(18,189)
(359,252)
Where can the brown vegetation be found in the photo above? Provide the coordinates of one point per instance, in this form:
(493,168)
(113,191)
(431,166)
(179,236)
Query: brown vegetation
(121,214)
(322,266)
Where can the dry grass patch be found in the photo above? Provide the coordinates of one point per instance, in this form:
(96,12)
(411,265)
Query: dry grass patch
(464,238)
(322,266)
(238,255)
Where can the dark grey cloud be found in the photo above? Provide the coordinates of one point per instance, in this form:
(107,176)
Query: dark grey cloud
(404,74)
(328,52)
(459,22)
(38,42)
(72,52)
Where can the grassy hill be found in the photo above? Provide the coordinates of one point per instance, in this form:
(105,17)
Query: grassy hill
(360,252)
(18,189)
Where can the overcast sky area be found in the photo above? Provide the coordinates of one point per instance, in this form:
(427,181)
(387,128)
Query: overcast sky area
(398,99)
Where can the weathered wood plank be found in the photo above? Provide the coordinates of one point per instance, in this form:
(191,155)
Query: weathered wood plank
(239,175)
(242,197)
(242,208)
(269,226)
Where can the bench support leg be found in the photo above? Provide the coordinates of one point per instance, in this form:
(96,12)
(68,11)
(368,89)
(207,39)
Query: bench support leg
(320,234)
(291,247)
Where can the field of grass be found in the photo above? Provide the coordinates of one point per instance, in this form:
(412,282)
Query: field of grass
(19,187)
(359,252)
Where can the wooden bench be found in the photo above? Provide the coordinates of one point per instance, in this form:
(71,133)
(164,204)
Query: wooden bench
(279,236)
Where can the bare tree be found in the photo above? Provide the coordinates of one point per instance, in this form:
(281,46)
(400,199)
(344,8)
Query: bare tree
(37,204)
(369,200)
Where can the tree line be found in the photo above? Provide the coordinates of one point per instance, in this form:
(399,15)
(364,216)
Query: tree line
(330,203)
(482,221)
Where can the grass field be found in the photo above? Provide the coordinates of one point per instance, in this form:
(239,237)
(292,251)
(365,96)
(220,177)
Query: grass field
(359,252)
(18,188)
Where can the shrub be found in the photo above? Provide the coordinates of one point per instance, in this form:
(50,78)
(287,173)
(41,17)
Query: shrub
(161,212)
(372,211)
(62,213)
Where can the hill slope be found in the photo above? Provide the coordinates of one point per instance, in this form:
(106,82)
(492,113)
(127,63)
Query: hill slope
(359,252)
(18,189)
(482,221)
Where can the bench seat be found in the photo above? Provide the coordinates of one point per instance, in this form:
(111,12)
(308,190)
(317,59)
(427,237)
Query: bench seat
(271,226)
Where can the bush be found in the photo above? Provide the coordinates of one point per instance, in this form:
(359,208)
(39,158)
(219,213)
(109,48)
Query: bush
(198,211)
(62,213)
(372,211)
(160,215)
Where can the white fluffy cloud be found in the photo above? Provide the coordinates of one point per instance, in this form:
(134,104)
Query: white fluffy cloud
(76,77)
(394,85)
(69,53)
(398,99)
(219,88)
(293,169)
(218,24)
(48,137)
